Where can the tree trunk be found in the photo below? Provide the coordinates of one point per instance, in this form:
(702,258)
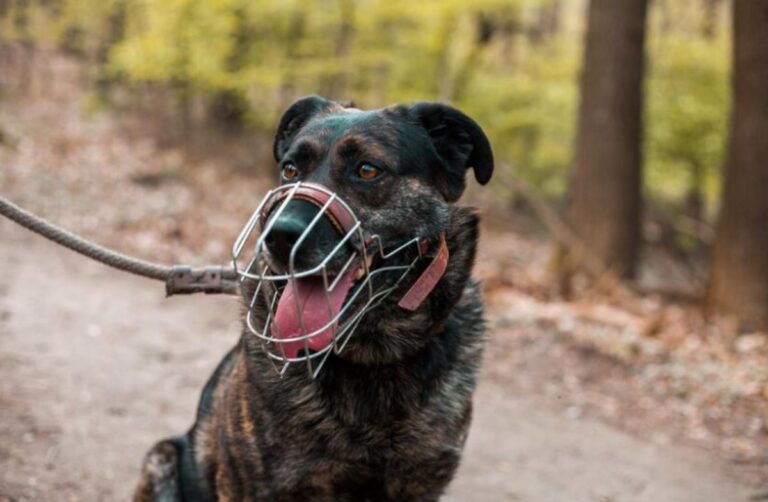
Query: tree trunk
(604,193)
(739,275)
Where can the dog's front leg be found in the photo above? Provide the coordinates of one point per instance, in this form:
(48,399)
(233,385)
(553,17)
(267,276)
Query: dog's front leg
(159,480)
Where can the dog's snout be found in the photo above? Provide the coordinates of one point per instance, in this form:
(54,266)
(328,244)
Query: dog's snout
(299,227)
(283,237)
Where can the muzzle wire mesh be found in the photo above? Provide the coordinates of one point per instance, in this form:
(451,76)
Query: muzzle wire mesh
(363,296)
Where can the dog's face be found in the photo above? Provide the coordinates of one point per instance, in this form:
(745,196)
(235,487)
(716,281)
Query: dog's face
(399,169)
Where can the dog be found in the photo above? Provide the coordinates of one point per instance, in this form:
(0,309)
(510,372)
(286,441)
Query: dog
(386,418)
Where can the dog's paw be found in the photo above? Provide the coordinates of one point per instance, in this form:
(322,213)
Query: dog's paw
(159,480)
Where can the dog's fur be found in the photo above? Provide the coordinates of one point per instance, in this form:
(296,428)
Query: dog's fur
(387,418)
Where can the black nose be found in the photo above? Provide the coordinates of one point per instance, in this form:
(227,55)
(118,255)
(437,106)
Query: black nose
(283,237)
(294,227)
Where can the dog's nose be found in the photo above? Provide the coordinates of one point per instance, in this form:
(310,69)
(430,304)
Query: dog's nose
(283,237)
(298,227)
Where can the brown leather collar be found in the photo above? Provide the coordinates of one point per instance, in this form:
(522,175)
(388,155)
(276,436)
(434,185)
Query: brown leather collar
(428,279)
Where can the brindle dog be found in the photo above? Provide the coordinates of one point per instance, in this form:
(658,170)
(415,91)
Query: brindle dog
(387,418)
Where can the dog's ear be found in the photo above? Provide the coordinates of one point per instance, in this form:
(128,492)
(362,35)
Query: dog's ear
(295,118)
(459,142)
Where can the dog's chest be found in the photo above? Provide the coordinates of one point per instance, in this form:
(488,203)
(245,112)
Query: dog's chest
(395,463)
(379,443)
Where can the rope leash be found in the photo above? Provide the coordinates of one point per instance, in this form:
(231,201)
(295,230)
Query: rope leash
(179,279)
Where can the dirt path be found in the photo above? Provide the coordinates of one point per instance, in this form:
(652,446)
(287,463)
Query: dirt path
(96,365)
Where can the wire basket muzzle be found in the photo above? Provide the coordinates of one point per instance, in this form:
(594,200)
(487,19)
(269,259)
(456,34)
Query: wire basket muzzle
(305,315)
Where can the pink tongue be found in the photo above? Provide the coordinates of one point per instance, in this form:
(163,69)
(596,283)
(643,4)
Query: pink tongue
(317,309)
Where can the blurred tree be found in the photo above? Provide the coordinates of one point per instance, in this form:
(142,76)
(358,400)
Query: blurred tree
(604,191)
(739,274)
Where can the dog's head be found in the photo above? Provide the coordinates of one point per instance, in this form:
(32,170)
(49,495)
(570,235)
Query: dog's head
(399,170)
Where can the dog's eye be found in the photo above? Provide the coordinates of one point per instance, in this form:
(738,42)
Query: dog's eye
(289,171)
(367,172)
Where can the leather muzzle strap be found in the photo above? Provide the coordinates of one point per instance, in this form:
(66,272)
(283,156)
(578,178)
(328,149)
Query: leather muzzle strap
(428,279)
(342,220)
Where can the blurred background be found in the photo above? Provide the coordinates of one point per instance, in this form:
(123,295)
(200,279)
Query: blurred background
(625,244)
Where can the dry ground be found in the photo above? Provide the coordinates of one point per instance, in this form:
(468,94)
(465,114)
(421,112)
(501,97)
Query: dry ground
(96,365)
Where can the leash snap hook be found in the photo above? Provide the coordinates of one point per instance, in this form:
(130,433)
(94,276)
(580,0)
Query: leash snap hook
(184,280)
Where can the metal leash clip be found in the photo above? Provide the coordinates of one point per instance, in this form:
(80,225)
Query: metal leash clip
(184,280)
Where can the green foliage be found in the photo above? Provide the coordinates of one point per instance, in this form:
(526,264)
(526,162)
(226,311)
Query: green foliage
(512,64)
(529,113)
(374,51)
(179,41)
(687,112)
(83,26)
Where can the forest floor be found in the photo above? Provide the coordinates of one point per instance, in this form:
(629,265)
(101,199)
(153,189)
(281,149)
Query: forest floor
(610,396)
